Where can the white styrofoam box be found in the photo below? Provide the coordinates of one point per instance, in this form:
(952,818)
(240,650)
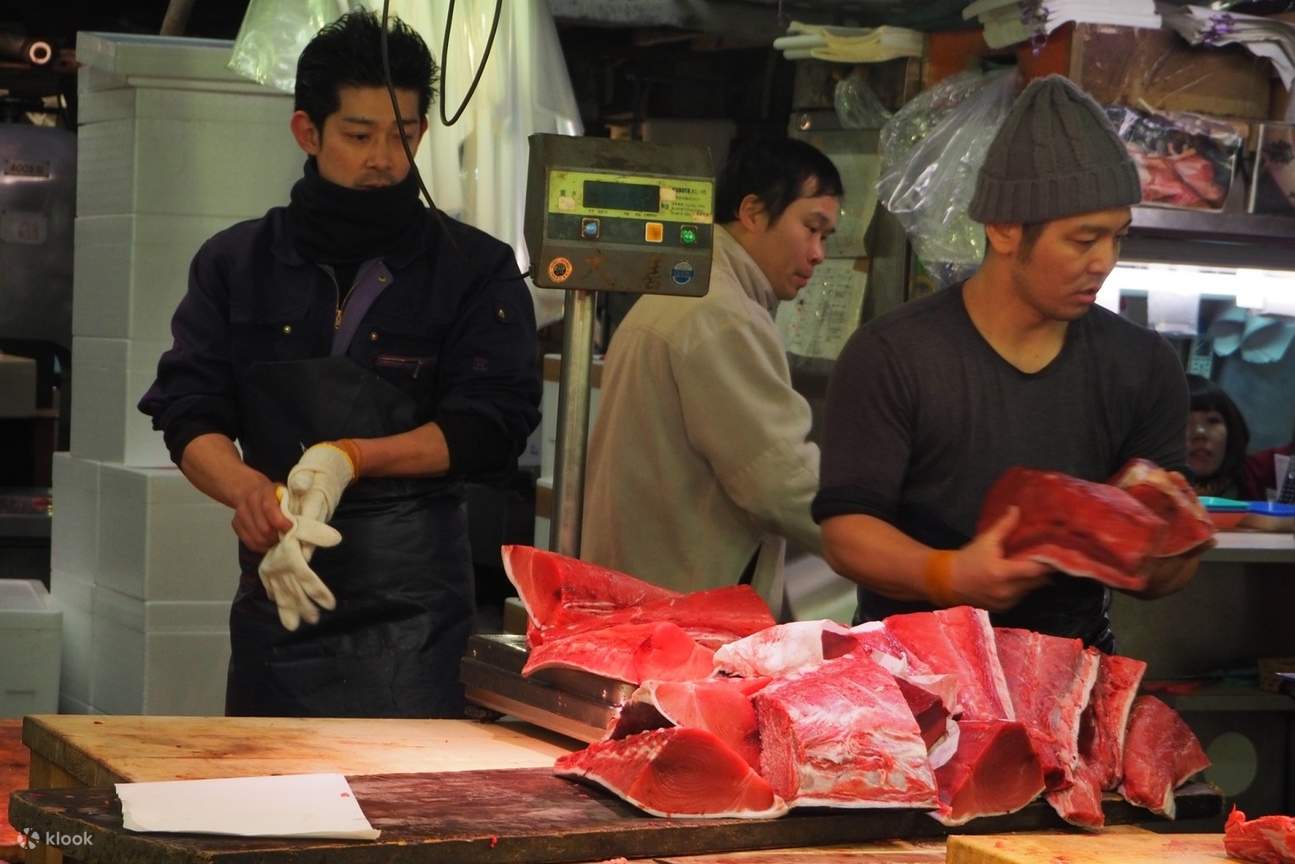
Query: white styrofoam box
(114,56)
(31,645)
(74,540)
(184,166)
(159,657)
(75,599)
(17,386)
(549,411)
(130,272)
(108,378)
(162,539)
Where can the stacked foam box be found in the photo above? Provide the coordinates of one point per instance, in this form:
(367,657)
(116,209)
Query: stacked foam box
(172,147)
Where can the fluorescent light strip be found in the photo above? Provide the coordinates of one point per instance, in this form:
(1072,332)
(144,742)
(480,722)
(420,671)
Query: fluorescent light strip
(1270,291)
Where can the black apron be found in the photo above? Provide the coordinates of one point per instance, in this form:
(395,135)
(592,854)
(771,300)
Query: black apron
(402,574)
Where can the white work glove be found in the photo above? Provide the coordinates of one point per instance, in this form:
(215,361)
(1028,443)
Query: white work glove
(285,572)
(317,481)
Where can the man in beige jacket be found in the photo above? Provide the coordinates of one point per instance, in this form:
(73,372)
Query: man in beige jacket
(699,465)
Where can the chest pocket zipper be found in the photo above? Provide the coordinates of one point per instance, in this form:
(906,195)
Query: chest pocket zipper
(413,366)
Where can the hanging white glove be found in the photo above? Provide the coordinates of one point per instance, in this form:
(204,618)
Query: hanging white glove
(285,571)
(317,481)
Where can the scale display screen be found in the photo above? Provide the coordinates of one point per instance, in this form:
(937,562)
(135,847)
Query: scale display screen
(631,196)
(622,196)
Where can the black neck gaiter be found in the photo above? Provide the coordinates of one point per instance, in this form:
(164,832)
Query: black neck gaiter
(332,224)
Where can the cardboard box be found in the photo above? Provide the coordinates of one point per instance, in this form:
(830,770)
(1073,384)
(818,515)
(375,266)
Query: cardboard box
(1130,66)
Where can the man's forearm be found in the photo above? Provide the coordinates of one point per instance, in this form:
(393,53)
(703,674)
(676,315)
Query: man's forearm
(420,452)
(212,464)
(876,555)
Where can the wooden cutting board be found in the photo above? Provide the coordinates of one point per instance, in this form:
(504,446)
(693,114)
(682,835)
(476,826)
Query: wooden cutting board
(523,815)
(1125,847)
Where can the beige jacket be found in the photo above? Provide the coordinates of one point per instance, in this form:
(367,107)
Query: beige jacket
(699,455)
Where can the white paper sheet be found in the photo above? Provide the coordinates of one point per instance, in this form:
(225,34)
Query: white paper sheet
(295,805)
(826,311)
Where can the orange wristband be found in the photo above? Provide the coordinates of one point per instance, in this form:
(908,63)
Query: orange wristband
(352,451)
(937,578)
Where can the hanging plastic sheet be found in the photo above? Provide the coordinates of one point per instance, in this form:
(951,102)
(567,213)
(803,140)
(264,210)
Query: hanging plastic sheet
(932,150)
(476,169)
(273,33)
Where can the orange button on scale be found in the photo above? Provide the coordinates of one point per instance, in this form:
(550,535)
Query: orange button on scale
(654,232)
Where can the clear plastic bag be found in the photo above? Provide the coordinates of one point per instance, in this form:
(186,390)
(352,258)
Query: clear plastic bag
(273,34)
(857,106)
(932,150)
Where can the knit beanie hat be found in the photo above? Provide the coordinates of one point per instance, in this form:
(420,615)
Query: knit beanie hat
(1056,155)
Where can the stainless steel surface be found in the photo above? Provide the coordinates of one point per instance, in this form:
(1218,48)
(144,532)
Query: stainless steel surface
(573,422)
(565,701)
(37,205)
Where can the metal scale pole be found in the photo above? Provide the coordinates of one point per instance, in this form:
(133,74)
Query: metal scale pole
(573,422)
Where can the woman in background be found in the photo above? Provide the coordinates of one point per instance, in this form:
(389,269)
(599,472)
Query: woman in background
(1217,437)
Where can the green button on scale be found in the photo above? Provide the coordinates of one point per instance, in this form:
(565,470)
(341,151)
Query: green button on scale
(687,235)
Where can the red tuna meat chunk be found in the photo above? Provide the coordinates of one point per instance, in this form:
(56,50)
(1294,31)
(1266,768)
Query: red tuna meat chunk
(556,589)
(713,617)
(1171,499)
(994,771)
(784,648)
(842,735)
(719,705)
(1160,754)
(674,772)
(1266,840)
(1085,529)
(1101,740)
(960,642)
(627,652)
(1050,679)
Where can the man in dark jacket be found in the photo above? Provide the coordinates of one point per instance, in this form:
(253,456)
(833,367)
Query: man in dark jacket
(353,341)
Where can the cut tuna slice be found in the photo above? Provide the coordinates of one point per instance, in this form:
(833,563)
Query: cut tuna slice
(1080,803)
(1266,840)
(994,771)
(719,705)
(928,710)
(1118,679)
(1050,680)
(675,772)
(1085,529)
(1160,754)
(714,617)
(959,642)
(784,648)
(1101,740)
(627,652)
(556,589)
(842,735)
(1172,500)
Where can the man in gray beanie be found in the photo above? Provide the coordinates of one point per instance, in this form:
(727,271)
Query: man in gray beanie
(929,404)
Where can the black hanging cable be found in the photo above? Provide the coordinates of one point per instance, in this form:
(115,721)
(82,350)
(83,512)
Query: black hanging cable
(481,67)
(400,121)
(395,103)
